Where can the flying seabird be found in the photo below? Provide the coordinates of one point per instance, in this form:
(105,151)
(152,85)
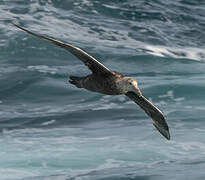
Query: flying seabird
(106,81)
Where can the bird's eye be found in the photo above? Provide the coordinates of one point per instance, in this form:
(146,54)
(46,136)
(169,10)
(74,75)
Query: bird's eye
(130,83)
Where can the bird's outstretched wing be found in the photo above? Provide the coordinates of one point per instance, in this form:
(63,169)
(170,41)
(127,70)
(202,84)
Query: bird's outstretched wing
(95,66)
(158,119)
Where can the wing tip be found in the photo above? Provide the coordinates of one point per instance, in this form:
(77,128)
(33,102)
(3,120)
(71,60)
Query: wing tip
(16,25)
(163,131)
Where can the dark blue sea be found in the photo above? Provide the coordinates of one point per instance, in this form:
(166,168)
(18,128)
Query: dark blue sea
(51,130)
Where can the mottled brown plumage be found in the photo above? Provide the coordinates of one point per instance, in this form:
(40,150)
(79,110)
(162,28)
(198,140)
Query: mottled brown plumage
(105,84)
(106,81)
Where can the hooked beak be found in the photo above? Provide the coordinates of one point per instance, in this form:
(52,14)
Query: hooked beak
(153,112)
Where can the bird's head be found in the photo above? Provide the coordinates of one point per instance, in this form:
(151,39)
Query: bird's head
(128,84)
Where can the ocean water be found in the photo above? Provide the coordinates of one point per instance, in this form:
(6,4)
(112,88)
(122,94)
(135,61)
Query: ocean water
(50,130)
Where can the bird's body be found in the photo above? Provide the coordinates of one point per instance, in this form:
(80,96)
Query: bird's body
(97,83)
(106,81)
(106,84)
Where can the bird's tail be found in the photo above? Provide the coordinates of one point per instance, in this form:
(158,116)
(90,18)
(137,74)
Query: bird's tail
(75,81)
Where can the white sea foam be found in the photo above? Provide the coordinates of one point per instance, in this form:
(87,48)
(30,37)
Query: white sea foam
(107,106)
(11,174)
(43,69)
(48,122)
(200,108)
(192,53)
(170,95)
(192,146)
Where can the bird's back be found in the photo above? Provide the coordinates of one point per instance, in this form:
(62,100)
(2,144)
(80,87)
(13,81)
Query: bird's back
(102,84)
